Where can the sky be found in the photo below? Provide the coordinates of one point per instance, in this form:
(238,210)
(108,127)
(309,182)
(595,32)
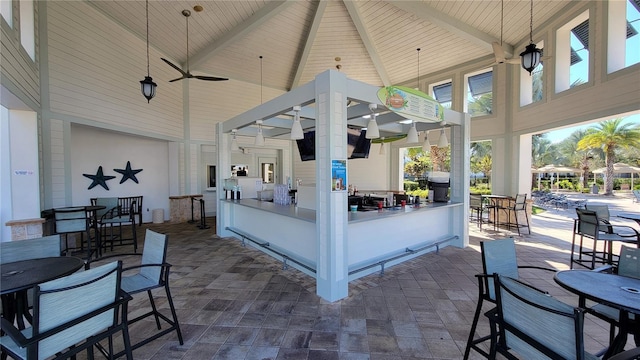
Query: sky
(559,135)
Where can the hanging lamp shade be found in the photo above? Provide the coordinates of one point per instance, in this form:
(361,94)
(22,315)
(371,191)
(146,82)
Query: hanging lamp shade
(234,141)
(147,86)
(259,138)
(530,57)
(412,135)
(442,141)
(372,128)
(296,127)
(426,145)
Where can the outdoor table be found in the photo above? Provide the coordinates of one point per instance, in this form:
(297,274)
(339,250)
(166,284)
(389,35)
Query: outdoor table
(17,277)
(498,202)
(620,292)
(630,216)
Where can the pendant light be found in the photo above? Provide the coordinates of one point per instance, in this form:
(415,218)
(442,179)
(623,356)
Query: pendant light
(147,86)
(372,127)
(426,145)
(259,138)
(530,57)
(296,128)
(259,141)
(234,141)
(382,152)
(412,135)
(442,141)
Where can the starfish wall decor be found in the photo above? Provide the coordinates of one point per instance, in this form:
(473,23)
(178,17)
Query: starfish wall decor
(99,179)
(128,173)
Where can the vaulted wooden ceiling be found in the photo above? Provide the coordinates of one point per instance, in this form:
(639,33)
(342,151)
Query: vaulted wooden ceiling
(372,41)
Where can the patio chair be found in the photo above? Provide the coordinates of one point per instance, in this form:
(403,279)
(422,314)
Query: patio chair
(530,324)
(498,256)
(73,220)
(94,309)
(116,218)
(47,246)
(636,194)
(478,209)
(512,209)
(628,265)
(153,273)
(588,225)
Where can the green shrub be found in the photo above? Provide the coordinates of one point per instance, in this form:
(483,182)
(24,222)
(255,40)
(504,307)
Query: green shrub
(410,185)
(423,194)
(565,184)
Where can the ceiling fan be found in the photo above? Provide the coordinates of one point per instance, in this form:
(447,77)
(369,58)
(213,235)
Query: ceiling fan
(187,74)
(498,51)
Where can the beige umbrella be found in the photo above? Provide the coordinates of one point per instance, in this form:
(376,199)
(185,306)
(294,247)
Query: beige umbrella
(620,168)
(551,168)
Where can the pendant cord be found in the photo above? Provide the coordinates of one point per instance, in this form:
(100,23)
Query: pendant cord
(147,10)
(501,20)
(187,43)
(531,25)
(260,79)
(418,49)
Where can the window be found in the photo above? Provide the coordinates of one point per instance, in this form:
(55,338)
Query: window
(442,93)
(479,99)
(572,53)
(622,37)
(6,9)
(27,28)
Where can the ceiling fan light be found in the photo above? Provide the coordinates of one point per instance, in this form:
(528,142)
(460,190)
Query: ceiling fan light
(530,57)
(148,88)
(426,145)
(372,128)
(296,127)
(442,141)
(412,135)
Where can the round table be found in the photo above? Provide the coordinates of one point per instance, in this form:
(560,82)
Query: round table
(17,277)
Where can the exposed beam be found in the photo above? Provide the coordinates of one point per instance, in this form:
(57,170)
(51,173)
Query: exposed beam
(258,18)
(354,13)
(311,37)
(462,29)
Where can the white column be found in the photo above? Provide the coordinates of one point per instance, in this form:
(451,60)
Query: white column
(332,273)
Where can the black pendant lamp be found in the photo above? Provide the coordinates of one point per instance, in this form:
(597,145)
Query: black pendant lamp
(530,57)
(147,86)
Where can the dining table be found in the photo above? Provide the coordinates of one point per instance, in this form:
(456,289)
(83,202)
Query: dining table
(497,202)
(630,216)
(619,292)
(18,277)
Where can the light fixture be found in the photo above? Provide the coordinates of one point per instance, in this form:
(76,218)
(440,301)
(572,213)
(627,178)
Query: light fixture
(442,141)
(234,141)
(147,86)
(296,127)
(382,146)
(426,145)
(372,127)
(259,138)
(530,57)
(412,135)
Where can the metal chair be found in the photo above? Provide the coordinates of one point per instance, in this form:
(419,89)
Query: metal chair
(530,324)
(498,256)
(73,220)
(112,217)
(478,209)
(153,273)
(518,205)
(589,225)
(628,265)
(94,309)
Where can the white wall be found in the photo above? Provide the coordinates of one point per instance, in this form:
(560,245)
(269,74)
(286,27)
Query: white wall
(92,147)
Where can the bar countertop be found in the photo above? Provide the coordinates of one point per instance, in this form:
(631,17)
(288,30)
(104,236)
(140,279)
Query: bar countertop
(354,216)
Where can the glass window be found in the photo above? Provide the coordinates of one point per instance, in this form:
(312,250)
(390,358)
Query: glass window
(6,9)
(579,55)
(631,33)
(479,100)
(443,93)
(572,53)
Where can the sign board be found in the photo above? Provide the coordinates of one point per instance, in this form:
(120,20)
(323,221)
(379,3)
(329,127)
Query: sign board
(411,103)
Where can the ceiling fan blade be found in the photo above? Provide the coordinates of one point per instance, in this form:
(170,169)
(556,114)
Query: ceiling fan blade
(174,66)
(209,78)
(180,78)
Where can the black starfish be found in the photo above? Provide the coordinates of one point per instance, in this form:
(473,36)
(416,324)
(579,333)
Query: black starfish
(128,173)
(98,179)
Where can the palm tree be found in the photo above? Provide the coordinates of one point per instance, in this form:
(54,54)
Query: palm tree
(610,135)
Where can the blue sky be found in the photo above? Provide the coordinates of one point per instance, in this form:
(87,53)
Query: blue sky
(559,135)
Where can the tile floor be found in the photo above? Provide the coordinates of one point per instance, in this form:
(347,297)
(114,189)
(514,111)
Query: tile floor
(237,303)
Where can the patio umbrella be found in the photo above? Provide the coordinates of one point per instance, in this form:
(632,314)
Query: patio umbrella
(551,168)
(620,168)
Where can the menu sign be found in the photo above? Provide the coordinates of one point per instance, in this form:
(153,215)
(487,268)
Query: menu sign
(411,103)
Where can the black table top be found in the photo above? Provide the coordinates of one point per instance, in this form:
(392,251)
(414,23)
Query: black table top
(21,275)
(621,292)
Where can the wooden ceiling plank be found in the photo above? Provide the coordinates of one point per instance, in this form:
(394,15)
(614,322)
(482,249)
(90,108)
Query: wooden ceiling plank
(310,39)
